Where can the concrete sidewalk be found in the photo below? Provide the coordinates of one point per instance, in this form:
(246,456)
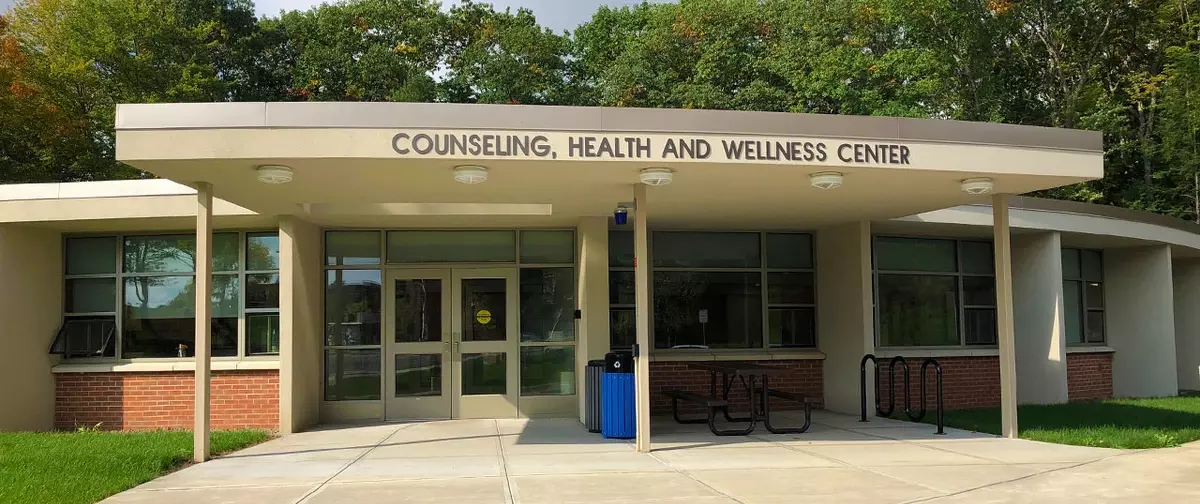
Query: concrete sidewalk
(557,461)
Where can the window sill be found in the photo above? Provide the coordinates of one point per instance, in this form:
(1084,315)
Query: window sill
(680,355)
(150,367)
(936,352)
(1090,349)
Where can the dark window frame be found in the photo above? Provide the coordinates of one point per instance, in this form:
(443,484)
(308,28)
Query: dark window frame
(1080,283)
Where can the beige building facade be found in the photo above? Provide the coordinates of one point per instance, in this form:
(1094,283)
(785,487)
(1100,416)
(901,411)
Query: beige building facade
(383,262)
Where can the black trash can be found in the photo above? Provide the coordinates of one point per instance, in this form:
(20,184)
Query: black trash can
(595,374)
(617,414)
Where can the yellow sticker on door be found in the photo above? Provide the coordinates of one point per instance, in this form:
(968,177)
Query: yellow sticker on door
(483,316)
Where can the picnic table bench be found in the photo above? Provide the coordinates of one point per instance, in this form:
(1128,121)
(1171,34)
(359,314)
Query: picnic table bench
(750,374)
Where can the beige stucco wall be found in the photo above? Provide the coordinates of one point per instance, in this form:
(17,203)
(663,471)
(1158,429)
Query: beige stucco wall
(593,333)
(1187,322)
(30,312)
(845,320)
(300,287)
(1039,327)
(1140,319)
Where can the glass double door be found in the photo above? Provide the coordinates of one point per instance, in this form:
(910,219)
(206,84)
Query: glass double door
(451,343)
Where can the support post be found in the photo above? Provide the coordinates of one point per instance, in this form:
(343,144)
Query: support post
(1002,244)
(202,349)
(641,281)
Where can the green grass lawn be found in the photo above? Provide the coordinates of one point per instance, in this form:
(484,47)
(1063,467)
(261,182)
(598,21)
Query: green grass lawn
(85,467)
(1114,423)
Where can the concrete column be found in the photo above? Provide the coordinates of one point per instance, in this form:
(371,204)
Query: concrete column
(1187,322)
(1039,327)
(203,348)
(300,331)
(641,279)
(1004,316)
(845,318)
(593,336)
(31,269)
(1140,320)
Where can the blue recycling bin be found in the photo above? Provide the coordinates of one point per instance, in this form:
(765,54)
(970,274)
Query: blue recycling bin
(618,418)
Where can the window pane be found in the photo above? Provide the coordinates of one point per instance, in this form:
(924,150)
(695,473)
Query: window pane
(262,291)
(418,375)
(792,327)
(621,326)
(917,310)
(91,295)
(352,374)
(418,307)
(1094,295)
(620,249)
(547,371)
(352,307)
(225,294)
(1073,310)
(547,247)
(977,258)
(548,304)
(790,288)
(262,333)
(160,254)
(224,337)
(484,309)
(262,251)
(1095,326)
(789,250)
(451,246)
(86,337)
(621,288)
(915,254)
(980,325)
(716,310)
(706,250)
(1070,264)
(91,256)
(225,252)
(1092,265)
(352,248)
(979,291)
(484,373)
(159,317)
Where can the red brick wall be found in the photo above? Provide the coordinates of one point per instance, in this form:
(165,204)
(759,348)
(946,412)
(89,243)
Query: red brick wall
(807,379)
(967,382)
(1089,376)
(165,400)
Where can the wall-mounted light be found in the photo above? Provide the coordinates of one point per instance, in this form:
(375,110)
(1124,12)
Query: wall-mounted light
(621,214)
(826,180)
(978,185)
(274,174)
(657,176)
(470,174)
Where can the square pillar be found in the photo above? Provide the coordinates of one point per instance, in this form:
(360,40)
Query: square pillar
(1004,316)
(300,331)
(593,334)
(203,345)
(1038,318)
(31,303)
(1139,321)
(641,280)
(1187,322)
(845,317)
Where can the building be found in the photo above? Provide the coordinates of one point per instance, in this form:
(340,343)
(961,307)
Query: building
(386,261)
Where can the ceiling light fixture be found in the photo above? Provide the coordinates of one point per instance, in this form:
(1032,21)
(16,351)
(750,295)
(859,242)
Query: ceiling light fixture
(274,174)
(470,174)
(826,180)
(977,186)
(657,176)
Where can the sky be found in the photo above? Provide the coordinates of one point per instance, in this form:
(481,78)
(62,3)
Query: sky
(557,15)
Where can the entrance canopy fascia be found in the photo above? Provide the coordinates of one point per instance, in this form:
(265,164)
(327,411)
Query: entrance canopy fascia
(378,163)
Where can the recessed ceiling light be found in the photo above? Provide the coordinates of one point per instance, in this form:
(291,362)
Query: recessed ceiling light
(826,180)
(657,176)
(274,174)
(978,186)
(470,174)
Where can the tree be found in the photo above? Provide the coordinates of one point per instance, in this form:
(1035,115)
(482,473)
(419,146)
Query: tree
(1181,115)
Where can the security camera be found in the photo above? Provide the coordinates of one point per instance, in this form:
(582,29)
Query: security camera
(621,215)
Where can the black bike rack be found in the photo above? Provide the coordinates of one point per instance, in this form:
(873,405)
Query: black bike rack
(891,404)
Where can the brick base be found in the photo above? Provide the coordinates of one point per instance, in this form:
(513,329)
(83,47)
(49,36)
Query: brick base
(967,382)
(807,379)
(1089,376)
(165,400)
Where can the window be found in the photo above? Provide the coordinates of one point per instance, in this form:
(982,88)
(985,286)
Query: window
(934,292)
(1083,296)
(718,289)
(547,305)
(133,296)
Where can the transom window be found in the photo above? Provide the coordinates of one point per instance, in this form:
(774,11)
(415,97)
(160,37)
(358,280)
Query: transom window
(133,296)
(934,292)
(718,289)
(1083,296)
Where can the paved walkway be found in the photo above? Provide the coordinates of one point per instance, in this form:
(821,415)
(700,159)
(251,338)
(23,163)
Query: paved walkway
(557,461)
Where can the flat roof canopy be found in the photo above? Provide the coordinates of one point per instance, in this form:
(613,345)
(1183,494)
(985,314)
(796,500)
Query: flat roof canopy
(392,164)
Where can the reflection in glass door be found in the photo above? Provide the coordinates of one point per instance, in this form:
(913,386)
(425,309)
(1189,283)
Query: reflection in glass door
(485,318)
(418,341)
